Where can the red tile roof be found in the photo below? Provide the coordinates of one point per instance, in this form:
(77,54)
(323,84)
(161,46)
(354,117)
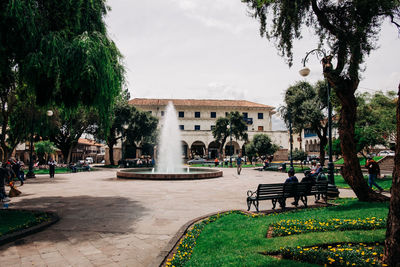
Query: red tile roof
(197,102)
(84,141)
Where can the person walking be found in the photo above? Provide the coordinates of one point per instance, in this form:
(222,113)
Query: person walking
(52,167)
(239,165)
(16,167)
(373,171)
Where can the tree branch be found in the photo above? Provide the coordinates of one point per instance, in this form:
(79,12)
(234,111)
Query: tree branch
(323,20)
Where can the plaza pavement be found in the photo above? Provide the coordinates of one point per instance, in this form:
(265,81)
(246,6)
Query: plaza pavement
(107,221)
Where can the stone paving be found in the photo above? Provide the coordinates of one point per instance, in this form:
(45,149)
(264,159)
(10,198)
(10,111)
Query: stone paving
(107,221)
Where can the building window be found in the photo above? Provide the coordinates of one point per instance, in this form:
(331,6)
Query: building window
(226,114)
(212,127)
(197,127)
(181,114)
(182,127)
(247,128)
(197,114)
(245,115)
(162,113)
(260,116)
(260,128)
(213,114)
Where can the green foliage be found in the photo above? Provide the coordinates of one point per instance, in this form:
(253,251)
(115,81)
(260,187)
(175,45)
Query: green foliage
(371,129)
(67,126)
(61,51)
(141,125)
(299,154)
(43,149)
(385,183)
(240,240)
(238,128)
(261,145)
(16,220)
(304,107)
(292,227)
(346,254)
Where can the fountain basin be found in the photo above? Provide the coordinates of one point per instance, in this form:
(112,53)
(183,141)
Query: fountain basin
(147,174)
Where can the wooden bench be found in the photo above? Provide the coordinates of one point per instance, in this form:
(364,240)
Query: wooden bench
(278,193)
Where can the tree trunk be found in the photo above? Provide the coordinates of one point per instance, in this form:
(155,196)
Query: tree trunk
(221,146)
(69,155)
(392,242)
(111,153)
(322,144)
(352,169)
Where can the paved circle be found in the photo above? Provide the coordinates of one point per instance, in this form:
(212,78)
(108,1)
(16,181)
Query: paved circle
(107,221)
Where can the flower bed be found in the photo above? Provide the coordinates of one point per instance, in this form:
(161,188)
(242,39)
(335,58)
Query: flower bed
(187,243)
(15,220)
(347,254)
(291,227)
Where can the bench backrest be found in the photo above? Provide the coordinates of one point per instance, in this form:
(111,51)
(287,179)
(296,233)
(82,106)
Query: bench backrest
(266,190)
(320,187)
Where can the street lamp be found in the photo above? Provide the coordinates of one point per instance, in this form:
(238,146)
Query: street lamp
(125,126)
(326,67)
(31,173)
(290,138)
(229,127)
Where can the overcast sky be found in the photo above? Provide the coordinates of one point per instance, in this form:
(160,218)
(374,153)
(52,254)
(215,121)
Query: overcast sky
(212,49)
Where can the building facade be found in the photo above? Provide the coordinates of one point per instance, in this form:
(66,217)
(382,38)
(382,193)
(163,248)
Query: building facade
(197,118)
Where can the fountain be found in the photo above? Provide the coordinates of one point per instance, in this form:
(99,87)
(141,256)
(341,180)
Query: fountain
(169,165)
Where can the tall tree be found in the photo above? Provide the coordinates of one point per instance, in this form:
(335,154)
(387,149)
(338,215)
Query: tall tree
(305,105)
(68,126)
(350,29)
(392,242)
(261,145)
(60,52)
(237,128)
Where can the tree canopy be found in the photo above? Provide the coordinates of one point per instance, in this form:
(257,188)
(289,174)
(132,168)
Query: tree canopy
(261,146)
(61,51)
(350,30)
(237,127)
(305,107)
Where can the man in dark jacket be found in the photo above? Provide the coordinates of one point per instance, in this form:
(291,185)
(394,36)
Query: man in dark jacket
(373,171)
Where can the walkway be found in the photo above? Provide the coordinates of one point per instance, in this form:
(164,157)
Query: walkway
(110,222)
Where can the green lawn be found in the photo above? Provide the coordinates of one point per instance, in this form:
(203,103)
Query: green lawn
(240,240)
(385,183)
(14,220)
(362,160)
(46,171)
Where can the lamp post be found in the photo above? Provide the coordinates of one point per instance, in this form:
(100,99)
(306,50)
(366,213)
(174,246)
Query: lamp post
(125,127)
(31,173)
(230,148)
(290,138)
(326,66)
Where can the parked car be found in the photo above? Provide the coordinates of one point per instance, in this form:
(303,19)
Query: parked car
(197,161)
(89,160)
(386,153)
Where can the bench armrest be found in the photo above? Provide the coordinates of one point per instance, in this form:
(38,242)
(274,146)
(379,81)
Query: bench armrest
(251,193)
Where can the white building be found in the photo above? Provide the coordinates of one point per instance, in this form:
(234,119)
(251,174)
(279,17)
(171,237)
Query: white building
(198,117)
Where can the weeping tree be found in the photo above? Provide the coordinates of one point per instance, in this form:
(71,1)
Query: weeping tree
(61,53)
(350,30)
(66,127)
(43,150)
(392,242)
(305,107)
(233,124)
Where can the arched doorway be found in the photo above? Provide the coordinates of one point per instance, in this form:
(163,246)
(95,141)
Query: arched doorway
(232,148)
(185,150)
(213,148)
(198,149)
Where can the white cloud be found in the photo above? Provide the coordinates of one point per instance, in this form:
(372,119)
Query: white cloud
(226,15)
